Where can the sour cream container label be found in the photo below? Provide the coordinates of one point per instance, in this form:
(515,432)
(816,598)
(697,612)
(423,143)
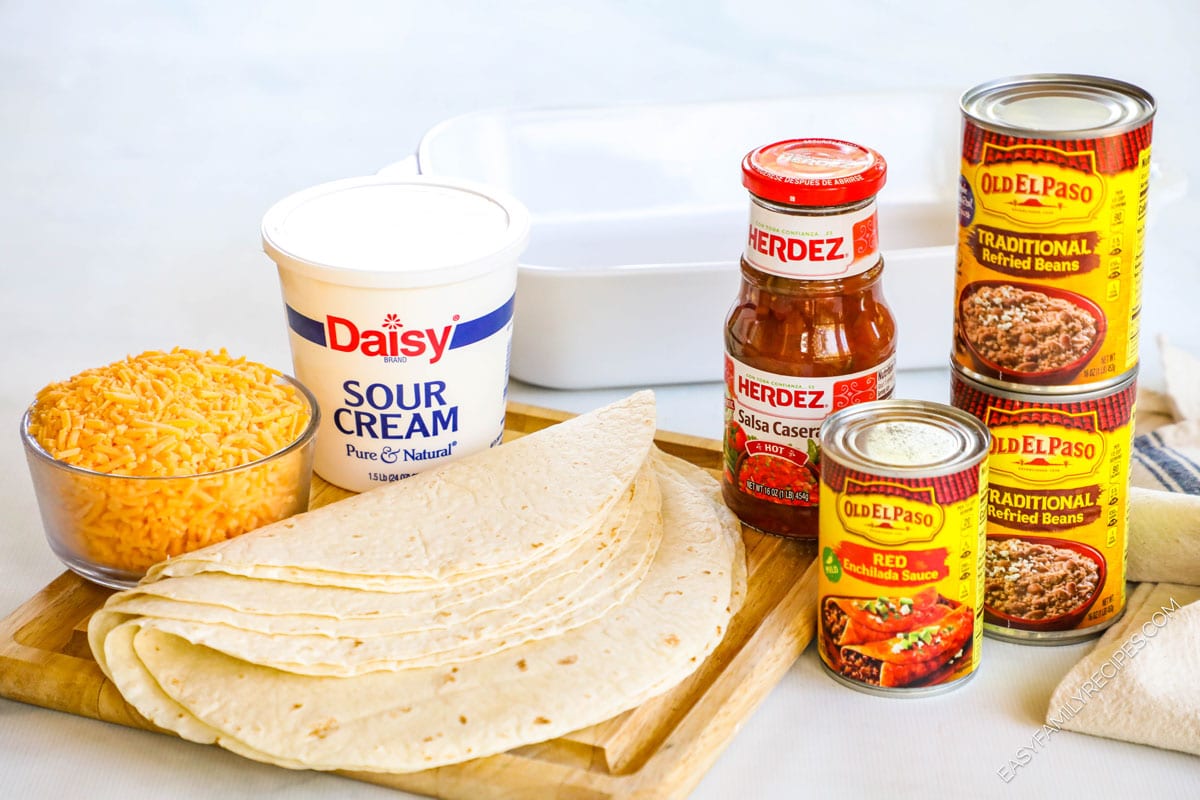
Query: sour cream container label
(399,303)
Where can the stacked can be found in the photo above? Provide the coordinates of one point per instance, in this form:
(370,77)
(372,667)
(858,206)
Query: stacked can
(1052,214)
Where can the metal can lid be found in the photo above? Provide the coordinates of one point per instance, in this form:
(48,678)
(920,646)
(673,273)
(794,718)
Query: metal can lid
(814,172)
(1066,106)
(904,438)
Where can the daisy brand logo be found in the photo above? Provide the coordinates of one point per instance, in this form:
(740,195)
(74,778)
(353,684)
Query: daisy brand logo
(392,340)
(395,338)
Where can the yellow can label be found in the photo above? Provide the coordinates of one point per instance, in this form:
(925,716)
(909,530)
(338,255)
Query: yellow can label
(1048,281)
(1057,506)
(899,590)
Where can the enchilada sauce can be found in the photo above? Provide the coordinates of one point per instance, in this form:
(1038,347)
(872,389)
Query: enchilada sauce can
(900,596)
(1054,567)
(1052,217)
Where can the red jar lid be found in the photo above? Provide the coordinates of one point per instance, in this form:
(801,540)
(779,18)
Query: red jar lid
(814,172)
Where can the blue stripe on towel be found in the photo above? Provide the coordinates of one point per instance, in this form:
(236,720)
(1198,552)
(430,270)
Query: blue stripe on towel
(1166,464)
(1149,467)
(1179,454)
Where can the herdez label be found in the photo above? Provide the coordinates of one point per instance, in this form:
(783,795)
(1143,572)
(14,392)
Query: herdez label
(773,426)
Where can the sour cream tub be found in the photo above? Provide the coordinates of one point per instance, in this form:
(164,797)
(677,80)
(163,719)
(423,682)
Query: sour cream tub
(399,300)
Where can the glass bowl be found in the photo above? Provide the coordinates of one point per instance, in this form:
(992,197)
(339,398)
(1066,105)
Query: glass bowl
(111,528)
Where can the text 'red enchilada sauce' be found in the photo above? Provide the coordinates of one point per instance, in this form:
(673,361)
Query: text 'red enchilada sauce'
(810,332)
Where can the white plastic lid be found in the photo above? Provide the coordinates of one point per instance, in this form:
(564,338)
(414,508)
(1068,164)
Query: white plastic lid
(396,233)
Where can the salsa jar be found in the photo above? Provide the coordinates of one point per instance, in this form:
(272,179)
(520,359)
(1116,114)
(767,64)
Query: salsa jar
(810,332)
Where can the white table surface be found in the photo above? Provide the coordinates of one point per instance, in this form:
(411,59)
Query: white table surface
(141,143)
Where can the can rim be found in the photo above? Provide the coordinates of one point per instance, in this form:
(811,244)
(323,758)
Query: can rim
(979,102)
(1042,394)
(971,438)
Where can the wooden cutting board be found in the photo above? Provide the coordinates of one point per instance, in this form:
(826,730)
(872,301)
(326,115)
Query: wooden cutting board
(659,750)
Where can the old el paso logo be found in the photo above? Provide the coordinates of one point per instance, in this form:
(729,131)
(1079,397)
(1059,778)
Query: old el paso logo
(1046,454)
(391,341)
(1037,193)
(888,513)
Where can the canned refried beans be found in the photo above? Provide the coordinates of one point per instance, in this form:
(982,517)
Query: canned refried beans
(1057,508)
(1052,216)
(899,593)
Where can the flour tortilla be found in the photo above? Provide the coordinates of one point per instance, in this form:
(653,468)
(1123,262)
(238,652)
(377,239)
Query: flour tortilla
(731,526)
(311,646)
(451,605)
(1164,537)
(426,532)
(1139,683)
(268,597)
(599,574)
(415,719)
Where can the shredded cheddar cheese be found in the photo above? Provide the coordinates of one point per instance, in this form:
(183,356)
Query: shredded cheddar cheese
(177,442)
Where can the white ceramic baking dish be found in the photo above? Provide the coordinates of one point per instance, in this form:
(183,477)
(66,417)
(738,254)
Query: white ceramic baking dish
(639,217)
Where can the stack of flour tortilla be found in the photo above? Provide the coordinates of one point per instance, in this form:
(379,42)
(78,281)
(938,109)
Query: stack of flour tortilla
(506,598)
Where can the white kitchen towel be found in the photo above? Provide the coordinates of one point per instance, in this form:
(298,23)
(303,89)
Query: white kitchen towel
(1139,683)
(1164,495)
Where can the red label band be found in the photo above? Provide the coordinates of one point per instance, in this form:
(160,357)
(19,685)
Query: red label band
(762,447)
